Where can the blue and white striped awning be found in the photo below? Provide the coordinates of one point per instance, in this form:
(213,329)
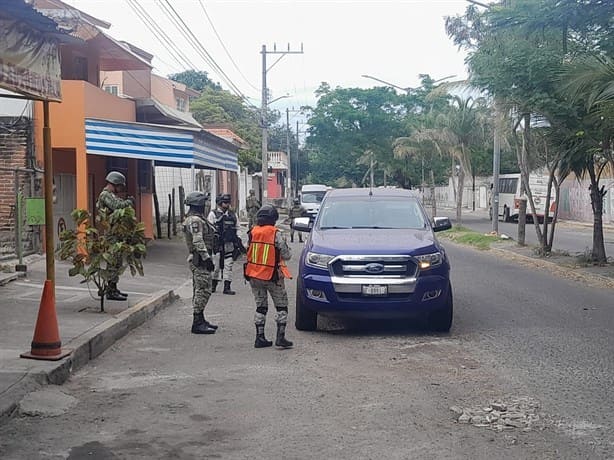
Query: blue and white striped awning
(179,146)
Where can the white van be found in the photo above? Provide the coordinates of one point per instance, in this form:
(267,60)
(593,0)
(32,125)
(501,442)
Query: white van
(311,197)
(509,196)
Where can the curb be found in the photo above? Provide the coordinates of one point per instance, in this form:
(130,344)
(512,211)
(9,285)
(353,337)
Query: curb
(6,278)
(85,348)
(591,279)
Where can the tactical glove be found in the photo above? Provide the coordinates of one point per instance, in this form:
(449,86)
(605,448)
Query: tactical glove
(208,264)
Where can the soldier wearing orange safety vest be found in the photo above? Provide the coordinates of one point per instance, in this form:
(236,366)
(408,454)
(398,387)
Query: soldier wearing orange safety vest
(265,270)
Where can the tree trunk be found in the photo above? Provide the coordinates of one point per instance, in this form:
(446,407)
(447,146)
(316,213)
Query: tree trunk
(473,190)
(452,174)
(459,196)
(434,211)
(555,215)
(597,194)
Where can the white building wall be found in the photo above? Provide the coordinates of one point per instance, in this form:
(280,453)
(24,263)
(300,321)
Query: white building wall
(168,178)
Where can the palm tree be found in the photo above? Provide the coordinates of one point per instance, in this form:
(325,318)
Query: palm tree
(453,132)
(588,135)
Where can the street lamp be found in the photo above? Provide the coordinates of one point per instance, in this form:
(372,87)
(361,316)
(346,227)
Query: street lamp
(278,98)
(408,90)
(387,83)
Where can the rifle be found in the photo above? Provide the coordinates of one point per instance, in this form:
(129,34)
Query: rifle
(219,224)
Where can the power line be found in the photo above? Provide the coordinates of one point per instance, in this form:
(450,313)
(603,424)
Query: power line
(183,28)
(202,5)
(168,44)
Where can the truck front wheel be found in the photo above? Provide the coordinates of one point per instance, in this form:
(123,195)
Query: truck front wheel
(305,319)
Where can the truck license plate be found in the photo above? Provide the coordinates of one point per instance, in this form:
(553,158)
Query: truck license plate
(374,289)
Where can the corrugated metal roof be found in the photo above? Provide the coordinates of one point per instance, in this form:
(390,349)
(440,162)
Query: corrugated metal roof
(20,10)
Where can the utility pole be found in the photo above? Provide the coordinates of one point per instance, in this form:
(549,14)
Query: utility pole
(298,162)
(496,157)
(289,178)
(265,134)
(371,181)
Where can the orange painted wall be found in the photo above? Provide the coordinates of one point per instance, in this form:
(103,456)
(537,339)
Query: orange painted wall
(82,100)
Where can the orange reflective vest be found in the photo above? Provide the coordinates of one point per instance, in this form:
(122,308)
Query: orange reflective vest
(263,257)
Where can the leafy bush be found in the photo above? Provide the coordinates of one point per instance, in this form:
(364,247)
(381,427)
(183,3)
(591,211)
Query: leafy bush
(97,253)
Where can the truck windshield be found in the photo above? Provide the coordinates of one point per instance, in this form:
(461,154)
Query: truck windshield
(312,197)
(358,212)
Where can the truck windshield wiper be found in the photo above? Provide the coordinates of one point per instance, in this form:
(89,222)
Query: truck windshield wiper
(333,227)
(369,226)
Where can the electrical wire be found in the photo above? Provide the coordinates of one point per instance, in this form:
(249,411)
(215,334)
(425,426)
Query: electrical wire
(169,45)
(202,5)
(183,28)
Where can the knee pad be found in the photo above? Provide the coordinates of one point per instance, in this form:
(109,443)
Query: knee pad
(259,319)
(282,316)
(262,310)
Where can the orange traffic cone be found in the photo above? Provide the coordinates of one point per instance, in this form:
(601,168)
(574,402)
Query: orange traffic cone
(46,343)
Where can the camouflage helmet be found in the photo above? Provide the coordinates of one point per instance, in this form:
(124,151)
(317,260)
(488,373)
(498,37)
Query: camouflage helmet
(296,201)
(116,178)
(195,199)
(224,198)
(267,215)
(251,191)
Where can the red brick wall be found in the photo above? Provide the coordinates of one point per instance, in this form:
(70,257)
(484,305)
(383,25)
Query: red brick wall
(15,135)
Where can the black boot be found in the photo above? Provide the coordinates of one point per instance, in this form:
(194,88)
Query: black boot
(227,289)
(199,326)
(261,341)
(211,325)
(214,285)
(116,289)
(291,238)
(281,341)
(115,296)
(113,293)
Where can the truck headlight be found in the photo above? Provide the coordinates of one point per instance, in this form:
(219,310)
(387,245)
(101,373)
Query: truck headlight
(427,261)
(313,259)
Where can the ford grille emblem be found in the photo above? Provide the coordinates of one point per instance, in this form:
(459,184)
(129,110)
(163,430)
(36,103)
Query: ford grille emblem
(374,268)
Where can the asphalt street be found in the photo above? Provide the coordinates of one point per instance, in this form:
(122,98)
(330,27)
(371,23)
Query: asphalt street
(350,390)
(568,237)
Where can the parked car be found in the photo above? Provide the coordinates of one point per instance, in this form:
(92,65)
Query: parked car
(372,253)
(311,197)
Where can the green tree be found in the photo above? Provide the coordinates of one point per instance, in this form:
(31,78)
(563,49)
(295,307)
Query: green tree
(95,251)
(220,107)
(196,79)
(456,132)
(586,135)
(519,65)
(347,122)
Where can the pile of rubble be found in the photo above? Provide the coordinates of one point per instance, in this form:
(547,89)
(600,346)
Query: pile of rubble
(518,413)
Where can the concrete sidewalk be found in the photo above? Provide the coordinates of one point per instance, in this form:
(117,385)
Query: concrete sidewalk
(83,329)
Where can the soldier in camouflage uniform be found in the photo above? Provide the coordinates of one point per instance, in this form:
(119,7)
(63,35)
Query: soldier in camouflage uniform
(266,269)
(199,236)
(296,211)
(108,201)
(226,224)
(252,205)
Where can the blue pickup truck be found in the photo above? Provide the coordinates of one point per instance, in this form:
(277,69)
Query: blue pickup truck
(372,253)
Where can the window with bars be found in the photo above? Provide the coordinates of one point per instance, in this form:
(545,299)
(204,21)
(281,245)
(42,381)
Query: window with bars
(112,89)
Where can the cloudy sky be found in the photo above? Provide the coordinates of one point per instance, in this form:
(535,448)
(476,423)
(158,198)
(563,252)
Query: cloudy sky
(394,41)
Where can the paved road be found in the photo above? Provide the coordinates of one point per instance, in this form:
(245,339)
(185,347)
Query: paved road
(350,390)
(572,238)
